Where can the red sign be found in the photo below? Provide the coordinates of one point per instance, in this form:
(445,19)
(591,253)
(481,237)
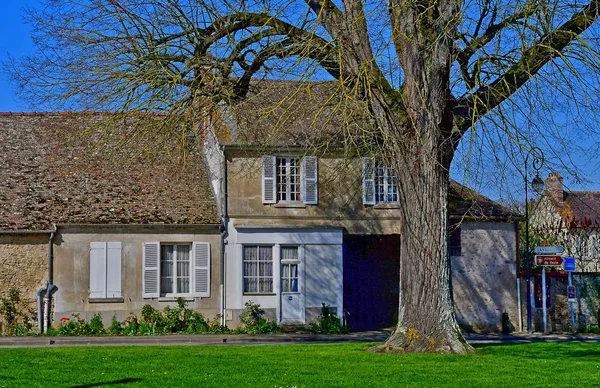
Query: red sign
(548,260)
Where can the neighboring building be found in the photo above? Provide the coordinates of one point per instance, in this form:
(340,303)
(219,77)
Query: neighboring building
(570,219)
(307,225)
(121,229)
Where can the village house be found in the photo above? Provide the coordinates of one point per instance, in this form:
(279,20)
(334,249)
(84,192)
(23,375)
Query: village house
(259,217)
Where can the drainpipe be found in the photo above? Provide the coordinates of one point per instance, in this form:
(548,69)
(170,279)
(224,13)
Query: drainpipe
(224,233)
(40,307)
(51,288)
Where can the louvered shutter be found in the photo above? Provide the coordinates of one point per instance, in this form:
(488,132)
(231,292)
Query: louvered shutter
(113,270)
(368,181)
(151,270)
(97,270)
(268,179)
(202,270)
(309,180)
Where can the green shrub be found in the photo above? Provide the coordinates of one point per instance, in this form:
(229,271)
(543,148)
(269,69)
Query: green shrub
(328,322)
(253,321)
(116,327)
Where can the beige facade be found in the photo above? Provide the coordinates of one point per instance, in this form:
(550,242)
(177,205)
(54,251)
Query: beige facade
(72,269)
(23,263)
(340,202)
(484,276)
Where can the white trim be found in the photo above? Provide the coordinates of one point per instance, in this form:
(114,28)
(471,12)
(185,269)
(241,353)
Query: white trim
(290,236)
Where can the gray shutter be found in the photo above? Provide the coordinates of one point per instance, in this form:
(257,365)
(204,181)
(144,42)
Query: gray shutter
(202,269)
(368,181)
(151,270)
(309,173)
(268,179)
(113,270)
(97,270)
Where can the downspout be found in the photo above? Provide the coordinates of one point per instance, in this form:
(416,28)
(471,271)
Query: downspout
(51,288)
(224,233)
(40,307)
(519,304)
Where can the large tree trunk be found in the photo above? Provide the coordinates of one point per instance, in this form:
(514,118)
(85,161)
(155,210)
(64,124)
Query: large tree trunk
(421,153)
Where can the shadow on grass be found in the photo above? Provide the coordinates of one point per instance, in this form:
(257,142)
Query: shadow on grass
(122,381)
(540,349)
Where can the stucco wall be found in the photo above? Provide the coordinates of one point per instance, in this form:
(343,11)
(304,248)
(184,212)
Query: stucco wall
(484,276)
(23,263)
(72,270)
(339,199)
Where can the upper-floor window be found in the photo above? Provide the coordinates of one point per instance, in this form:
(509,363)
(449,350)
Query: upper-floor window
(289,179)
(386,189)
(379,183)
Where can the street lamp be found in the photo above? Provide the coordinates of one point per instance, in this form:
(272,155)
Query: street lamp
(538,185)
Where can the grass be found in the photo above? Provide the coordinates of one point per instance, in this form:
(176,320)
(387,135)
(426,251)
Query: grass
(335,365)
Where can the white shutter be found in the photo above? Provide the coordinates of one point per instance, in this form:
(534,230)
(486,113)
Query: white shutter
(151,270)
(97,270)
(268,179)
(368,181)
(113,270)
(202,269)
(309,180)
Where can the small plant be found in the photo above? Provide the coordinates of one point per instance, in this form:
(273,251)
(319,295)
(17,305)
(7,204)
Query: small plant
(17,315)
(116,327)
(96,326)
(253,321)
(328,322)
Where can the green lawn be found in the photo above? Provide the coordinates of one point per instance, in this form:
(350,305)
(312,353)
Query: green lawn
(342,365)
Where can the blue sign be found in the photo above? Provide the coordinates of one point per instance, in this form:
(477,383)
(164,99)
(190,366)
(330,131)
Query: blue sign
(569,263)
(571,293)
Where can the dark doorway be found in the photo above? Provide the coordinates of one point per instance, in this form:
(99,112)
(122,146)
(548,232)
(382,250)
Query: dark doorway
(371,281)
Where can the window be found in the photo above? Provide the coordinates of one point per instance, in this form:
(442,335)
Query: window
(105,270)
(379,183)
(176,269)
(289,269)
(289,179)
(386,189)
(455,240)
(258,269)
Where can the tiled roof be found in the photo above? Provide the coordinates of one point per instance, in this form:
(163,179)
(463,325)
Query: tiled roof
(296,113)
(464,202)
(582,208)
(51,174)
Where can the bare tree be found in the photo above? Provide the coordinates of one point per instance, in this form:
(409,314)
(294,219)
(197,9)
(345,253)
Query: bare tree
(425,75)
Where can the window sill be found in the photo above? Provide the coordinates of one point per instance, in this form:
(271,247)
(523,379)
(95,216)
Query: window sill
(105,300)
(298,205)
(259,294)
(387,206)
(186,298)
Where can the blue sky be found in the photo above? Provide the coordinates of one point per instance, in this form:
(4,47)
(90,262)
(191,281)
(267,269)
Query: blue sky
(15,39)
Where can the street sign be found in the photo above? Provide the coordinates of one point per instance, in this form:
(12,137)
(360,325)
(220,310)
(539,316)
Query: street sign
(569,264)
(571,294)
(548,260)
(547,249)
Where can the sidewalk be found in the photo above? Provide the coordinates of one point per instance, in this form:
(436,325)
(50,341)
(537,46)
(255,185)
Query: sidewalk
(266,339)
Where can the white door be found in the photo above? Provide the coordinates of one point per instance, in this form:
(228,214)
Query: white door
(292,299)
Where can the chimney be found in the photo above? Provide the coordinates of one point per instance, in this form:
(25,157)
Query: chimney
(554,187)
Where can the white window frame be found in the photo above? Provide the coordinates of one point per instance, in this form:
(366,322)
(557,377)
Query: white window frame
(384,183)
(278,172)
(258,278)
(288,168)
(289,262)
(175,276)
(200,271)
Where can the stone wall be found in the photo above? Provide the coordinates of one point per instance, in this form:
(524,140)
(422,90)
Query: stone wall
(484,276)
(23,263)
